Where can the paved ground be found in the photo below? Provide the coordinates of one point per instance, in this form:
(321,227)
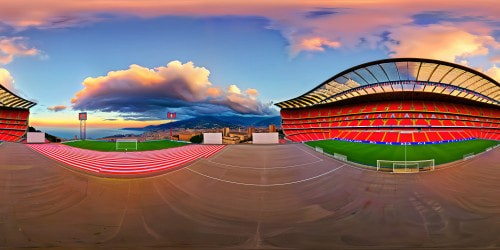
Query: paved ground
(249,197)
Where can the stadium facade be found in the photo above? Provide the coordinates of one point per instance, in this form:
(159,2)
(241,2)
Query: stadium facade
(397,101)
(14,115)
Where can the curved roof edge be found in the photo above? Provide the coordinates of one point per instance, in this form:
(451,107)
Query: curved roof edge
(10,100)
(307,96)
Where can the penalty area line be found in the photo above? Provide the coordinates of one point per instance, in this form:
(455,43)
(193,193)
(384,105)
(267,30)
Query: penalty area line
(318,159)
(264,185)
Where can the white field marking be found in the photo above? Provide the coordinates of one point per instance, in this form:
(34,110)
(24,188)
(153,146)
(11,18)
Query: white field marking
(264,185)
(459,163)
(339,161)
(226,147)
(289,166)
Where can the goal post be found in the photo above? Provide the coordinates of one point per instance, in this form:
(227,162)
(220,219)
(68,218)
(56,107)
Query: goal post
(405,166)
(126,144)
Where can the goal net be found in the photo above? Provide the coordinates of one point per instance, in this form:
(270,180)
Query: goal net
(126,144)
(405,166)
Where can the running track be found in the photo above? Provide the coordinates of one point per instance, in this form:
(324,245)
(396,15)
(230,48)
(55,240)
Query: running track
(125,163)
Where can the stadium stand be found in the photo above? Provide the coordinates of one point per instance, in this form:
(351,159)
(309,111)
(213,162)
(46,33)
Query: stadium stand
(396,114)
(14,114)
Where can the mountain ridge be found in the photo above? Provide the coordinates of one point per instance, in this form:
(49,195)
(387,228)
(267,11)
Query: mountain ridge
(210,122)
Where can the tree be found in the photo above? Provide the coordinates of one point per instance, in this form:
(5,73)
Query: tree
(197,139)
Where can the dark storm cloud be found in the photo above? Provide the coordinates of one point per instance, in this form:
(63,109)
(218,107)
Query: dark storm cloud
(140,93)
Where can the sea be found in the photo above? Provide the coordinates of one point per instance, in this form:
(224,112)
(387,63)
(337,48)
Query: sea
(92,133)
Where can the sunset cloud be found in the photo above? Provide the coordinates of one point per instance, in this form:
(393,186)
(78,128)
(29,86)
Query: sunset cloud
(439,42)
(495,59)
(308,26)
(233,89)
(142,93)
(11,47)
(253,93)
(6,80)
(57,108)
(313,44)
(494,72)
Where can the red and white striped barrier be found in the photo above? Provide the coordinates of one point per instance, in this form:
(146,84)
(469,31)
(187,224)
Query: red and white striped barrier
(125,163)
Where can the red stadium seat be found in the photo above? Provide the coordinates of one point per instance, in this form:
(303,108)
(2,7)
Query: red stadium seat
(406,106)
(395,106)
(406,122)
(446,136)
(391,137)
(405,137)
(376,136)
(421,122)
(438,120)
(391,122)
(13,124)
(377,123)
(418,106)
(448,123)
(420,137)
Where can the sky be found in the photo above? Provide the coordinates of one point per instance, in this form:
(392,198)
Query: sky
(127,63)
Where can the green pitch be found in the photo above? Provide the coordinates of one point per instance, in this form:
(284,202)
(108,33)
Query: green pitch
(368,154)
(111,146)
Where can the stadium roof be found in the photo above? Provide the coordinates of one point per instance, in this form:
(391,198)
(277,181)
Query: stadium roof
(402,74)
(11,100)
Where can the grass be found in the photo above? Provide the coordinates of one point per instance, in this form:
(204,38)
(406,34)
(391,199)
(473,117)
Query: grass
(111,146)
(368,154)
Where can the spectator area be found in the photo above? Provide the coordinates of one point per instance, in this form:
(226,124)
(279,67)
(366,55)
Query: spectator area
(393,122)
(13,124)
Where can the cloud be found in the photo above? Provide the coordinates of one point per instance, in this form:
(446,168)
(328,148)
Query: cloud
(308,26)
(214,92)
(321,12)
(233,89)
(313,44)
(436,17)
(253,93)
(439,42)
(495,59)
(11,47)
(494,72)
(6,80)
(57,108)
(142,93)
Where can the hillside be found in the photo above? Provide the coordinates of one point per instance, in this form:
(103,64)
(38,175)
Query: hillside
(208,122)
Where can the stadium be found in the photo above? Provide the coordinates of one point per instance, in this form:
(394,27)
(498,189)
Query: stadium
(291,195)
(402,101)
(14,115)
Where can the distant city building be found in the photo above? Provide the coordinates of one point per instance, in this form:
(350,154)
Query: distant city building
(230,140)
(251,130)
(241,135)
(225,132)
(186,136)
(272,128)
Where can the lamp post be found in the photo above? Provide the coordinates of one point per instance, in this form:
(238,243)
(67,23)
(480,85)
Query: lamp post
(172,115)
(83,125)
